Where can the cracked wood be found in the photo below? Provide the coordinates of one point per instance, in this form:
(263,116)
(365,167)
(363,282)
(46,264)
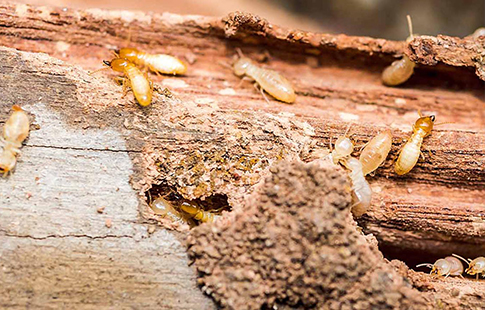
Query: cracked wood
(187,139)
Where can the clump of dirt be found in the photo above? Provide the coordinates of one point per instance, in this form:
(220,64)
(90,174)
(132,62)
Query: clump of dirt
(297,244)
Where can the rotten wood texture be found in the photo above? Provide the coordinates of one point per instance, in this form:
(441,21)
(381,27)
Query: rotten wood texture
(207,136)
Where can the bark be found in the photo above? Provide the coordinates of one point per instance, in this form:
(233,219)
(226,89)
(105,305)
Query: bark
(203,135)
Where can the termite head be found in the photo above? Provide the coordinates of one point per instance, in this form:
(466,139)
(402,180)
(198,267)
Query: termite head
(161,206)
(189,207)
(344,146)
(7,162)
(476,266)
(241,65)
(117,64)
(127,53)
(441,267)
(425,123)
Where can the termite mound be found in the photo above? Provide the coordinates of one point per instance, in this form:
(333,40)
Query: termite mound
(297,229)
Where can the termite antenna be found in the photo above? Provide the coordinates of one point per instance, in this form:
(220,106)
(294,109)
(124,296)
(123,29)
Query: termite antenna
(419,113)
(429,265)
(410,27)
(128,38)
(463,259)
(347,130)
(225,64)
(106,63)
(443,123)
(116,53)
(239,52)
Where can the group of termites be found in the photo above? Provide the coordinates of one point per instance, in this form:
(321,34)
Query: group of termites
(452,266)
(134,63)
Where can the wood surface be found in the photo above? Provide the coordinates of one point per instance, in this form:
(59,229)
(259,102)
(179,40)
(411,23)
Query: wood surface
(89,147)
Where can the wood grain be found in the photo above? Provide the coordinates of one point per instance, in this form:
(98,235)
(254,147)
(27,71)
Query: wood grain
(210,136)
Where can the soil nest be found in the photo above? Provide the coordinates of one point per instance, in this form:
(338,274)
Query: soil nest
(297,244)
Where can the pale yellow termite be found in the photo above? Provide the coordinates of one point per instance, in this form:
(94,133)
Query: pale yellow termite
(158,63)
(268,80)
(480,32)
(197,212)
(409,155)
(15,131)
(376,151)
(343,147)
(140,85)
(475,266)
(448,266)
(163,207)
(362,193)
(400,70)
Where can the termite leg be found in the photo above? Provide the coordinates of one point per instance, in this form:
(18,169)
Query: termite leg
(245,78)
(422,156)
(225,64)
(239,52)
(124,83)
(256,85)
(362,146)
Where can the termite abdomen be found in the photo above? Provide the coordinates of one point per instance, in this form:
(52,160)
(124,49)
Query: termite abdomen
(400,70)
(376,151)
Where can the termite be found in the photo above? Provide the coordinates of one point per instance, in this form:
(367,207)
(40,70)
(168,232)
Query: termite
(343,147)
(15,131)
(400,70)
(197,212)
(163,207)
(158,63)
(409,155)
(268,80)
(480,32)
(475,267)
(140,84)
(362,193)
(375,152)
(448,266)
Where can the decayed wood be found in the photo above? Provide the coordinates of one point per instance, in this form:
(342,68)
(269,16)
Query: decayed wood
(211,137)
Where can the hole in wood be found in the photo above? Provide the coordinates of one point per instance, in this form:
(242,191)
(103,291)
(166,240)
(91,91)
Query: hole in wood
(168,203)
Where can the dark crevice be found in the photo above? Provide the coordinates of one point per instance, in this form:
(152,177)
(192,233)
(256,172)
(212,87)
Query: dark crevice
(413,256)
(175,203)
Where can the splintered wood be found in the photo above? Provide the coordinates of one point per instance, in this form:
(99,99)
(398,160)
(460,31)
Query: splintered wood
(204,134)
